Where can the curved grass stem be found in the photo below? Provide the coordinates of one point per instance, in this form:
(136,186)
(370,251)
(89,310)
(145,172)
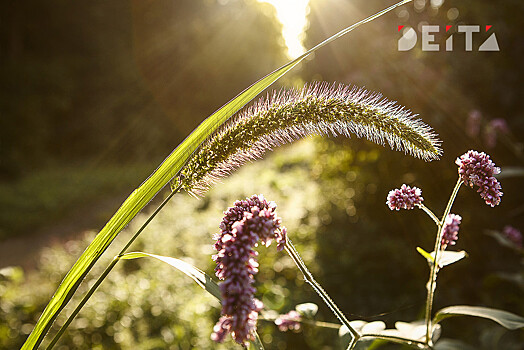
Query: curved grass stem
(434,267)
(108,269)
(290,249)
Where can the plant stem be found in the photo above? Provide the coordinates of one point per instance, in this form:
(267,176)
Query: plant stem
(108,269)
(400,340)
(430,213)
(434,267)
(290,249)
(307,321)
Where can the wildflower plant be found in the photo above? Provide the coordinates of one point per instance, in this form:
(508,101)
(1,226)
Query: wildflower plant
(224,142)
(474,168)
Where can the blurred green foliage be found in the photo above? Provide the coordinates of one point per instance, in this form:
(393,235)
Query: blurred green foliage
(49,195)
(93,91)
(146,304)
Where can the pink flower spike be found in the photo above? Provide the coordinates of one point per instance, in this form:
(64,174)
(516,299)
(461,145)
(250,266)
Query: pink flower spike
(477,169)
(450,230)
(404,198)
(243,226)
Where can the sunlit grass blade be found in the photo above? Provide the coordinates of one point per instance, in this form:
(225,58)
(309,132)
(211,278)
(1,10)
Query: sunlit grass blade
(156,181)
(199,276)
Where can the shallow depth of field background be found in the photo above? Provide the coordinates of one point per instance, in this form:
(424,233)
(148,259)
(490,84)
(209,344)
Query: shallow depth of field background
(94,95)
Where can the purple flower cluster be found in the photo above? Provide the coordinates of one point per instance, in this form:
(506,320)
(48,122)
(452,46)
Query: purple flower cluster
(513,235)
(477,169)
(244,225)
(404,198)
(450,230)
(289,321)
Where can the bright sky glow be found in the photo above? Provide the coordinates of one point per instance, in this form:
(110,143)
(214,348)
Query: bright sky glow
(293,16)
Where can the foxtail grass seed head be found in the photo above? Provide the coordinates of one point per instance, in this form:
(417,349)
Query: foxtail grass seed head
(318,109)
(450,230)
(404,197)
(243,226)
(289,321)
(477,169)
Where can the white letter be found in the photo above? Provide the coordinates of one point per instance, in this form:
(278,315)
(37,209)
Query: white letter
(490,44)
(469,30)
(408,40)
(427,38)
(449,43)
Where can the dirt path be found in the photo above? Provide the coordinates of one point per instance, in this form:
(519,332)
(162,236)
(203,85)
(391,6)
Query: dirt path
(24,250)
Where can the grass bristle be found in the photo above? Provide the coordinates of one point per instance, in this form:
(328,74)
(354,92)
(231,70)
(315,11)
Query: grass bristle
(317,109)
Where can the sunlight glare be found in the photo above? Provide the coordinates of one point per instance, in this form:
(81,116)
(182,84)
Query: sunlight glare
(293,16)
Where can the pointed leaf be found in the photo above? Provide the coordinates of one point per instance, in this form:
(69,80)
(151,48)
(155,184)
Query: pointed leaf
(139,198)
(426,255)
(199,276)
(445,257)
(449,257)
(504,318)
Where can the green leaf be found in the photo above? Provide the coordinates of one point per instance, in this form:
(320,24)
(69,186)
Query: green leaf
(450,257)
(504,318)
(445,257)
(199,276)
(426,255)
(139,198)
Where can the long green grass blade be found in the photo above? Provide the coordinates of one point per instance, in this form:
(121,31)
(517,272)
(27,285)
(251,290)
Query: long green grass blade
(160,178)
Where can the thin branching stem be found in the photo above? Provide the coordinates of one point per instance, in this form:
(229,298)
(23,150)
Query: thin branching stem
(108,269)
(290,249)
(434,267)
(429,212)
(321,324)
